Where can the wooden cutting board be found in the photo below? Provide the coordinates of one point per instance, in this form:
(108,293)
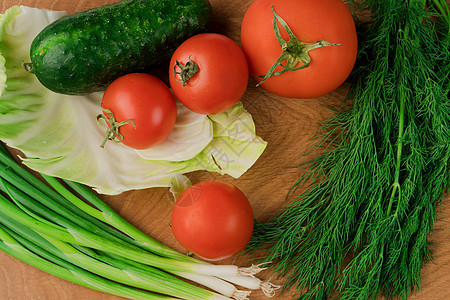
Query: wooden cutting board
(285,124)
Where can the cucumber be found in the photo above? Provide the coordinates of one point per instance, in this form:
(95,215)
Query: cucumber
(84,52)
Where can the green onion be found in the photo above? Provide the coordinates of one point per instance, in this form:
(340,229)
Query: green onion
(86,242)
(36,256)
(109,216)
(14,173)
(113,269)
(112,218)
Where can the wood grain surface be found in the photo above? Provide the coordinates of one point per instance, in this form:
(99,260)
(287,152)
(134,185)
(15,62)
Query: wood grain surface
(287,126)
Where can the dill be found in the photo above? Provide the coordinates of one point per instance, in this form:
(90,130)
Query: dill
(361,228)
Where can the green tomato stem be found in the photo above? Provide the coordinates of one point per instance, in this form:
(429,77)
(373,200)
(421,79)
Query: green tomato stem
(113,133)
(293,52)
(186,71)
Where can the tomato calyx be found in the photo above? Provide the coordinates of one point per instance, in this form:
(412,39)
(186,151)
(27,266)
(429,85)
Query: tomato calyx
(293,52)
(187,70)
(112,133)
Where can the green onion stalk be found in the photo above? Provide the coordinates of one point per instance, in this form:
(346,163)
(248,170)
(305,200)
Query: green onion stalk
(106,214)
(41,258)
(86,242)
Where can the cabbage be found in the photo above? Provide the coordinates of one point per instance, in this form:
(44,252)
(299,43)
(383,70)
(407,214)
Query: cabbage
(59,134)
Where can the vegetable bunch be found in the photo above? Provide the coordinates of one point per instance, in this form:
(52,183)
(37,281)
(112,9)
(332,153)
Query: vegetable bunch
(360,229)
(69,232)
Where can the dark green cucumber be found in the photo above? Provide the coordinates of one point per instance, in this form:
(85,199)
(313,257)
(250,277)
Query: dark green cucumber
(86,51)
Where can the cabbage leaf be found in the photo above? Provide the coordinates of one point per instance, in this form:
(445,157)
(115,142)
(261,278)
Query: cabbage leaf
(59,134)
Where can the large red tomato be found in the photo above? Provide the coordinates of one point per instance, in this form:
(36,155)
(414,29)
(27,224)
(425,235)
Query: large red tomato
(213,219)
(142,107)
(208,73)
(309,21)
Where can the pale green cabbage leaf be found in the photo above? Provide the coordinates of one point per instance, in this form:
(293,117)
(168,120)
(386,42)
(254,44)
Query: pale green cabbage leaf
(59,134)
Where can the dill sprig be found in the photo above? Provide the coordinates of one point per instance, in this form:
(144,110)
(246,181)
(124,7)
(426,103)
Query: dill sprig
(361,227)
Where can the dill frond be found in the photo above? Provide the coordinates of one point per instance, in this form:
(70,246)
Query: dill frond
(361,229)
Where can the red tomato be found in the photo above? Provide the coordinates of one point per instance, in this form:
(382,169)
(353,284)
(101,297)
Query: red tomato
(221,78)
(309,21)
(213,219)
(145,100)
